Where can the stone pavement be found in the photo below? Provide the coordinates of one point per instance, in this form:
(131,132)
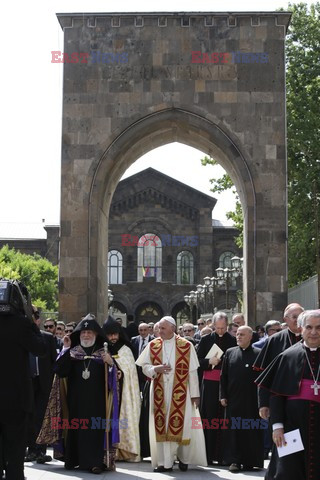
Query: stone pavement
(134,471)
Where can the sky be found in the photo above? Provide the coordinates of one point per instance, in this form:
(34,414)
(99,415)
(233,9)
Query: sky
(31,107)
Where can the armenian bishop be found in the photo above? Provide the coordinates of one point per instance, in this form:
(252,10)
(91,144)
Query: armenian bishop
(83,421)
(171,362)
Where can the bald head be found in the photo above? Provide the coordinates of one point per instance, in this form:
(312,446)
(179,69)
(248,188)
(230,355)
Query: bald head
(290,316)
(238,318)
(143,330)
(244,336)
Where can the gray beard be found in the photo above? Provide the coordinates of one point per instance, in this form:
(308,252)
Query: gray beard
(87,343)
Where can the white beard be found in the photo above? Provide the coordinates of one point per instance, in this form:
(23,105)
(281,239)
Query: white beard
(87,343)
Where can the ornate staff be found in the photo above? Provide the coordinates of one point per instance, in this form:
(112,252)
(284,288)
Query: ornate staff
(106,366)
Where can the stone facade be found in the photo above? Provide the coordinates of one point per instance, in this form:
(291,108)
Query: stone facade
(181,217)
(118,107)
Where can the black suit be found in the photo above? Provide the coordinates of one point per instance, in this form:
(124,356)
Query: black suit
(132,330)
(135,342)
(41,389)
(20,337)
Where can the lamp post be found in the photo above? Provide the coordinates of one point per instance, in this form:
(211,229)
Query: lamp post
(110,299)
(224,276)
(191,301)
(236,266)
(188,302)
(194,301)
(212,290)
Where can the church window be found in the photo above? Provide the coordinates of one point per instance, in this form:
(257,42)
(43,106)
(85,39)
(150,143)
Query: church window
(185,268)
(114,267)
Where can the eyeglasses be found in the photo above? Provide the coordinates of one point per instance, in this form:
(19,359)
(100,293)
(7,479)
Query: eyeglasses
(274,330)
(48,326)
(69,330)
(201,323)
(189,330)
(36,315)
(60,328)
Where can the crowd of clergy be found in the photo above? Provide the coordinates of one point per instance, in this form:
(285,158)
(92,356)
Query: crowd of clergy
(214,393)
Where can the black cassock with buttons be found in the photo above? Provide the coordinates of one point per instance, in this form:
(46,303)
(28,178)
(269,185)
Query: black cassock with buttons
(244,437)
(296,408)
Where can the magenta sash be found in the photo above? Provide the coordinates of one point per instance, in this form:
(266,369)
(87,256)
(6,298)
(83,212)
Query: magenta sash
(306,392)
(212,375)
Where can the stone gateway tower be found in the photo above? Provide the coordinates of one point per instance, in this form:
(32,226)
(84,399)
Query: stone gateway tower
(136,81)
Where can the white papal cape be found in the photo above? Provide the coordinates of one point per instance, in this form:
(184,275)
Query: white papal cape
(164,453)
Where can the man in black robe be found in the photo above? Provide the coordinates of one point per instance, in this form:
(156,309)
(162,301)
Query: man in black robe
(239,395)
(84,367)
(275,345)
(42,376)
(293,380)
(20,337)
(210,406)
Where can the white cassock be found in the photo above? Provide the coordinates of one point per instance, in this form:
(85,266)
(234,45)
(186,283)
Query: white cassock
(164,453)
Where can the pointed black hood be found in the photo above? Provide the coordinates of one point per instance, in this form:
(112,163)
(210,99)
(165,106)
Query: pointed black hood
(88,323)
(112,326)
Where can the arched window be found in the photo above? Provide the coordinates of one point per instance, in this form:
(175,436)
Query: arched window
(149,257)
(225,259)
(114,267)
(185,268)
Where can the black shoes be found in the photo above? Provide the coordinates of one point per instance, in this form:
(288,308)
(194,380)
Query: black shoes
(43,458)
(183,466)
(234,468)
(162,469)
(30,457)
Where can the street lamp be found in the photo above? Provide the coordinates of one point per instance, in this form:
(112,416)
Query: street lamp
(212,290)
(188,302)
(110,299)
(236,265)
(191,300)
(224,276)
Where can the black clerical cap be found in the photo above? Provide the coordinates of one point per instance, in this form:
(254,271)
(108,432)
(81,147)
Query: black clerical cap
(87,323)
(111,326)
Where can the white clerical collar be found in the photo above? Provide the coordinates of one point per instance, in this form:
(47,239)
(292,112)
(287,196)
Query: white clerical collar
(293,333)
(311,349)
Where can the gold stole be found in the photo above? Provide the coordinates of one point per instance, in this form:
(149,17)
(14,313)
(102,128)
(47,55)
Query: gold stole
(179,392)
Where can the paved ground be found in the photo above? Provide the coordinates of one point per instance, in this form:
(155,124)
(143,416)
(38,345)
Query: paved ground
(134,471)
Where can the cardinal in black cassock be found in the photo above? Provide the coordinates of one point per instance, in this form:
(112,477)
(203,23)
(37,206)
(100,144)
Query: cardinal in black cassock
(276,344)
(293,381)
(210,407)
(239,393)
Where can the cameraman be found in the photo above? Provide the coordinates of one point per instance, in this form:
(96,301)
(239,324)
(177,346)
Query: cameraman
(20,336)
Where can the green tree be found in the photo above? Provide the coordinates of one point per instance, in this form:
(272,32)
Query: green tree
(303,100)
(221,185)
(37,273)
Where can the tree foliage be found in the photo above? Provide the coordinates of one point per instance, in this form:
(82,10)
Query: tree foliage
(303,106)
(221,185)
(37,273)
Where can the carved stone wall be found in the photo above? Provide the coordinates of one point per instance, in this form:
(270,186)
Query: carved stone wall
(163,78)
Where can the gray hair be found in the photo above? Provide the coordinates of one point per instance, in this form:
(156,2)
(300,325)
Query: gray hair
(306,315)
(272,323)
(220,316)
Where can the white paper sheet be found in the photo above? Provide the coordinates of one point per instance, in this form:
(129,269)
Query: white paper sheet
(294,443)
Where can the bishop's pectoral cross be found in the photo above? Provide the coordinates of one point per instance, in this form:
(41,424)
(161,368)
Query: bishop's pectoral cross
(316,388)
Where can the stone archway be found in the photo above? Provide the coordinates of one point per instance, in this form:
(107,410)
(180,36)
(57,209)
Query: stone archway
(234,113)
